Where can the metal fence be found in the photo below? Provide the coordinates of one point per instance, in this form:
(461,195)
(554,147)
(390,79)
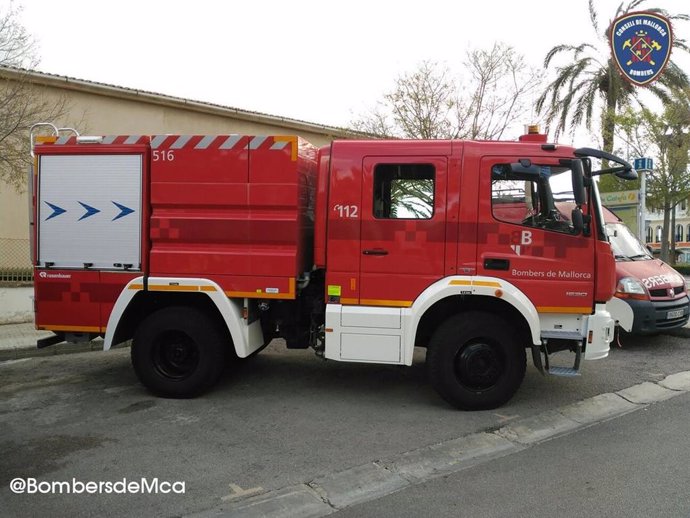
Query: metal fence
(15,260)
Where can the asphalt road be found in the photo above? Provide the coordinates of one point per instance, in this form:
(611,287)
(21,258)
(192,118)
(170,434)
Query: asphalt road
(635,466)
(282,418)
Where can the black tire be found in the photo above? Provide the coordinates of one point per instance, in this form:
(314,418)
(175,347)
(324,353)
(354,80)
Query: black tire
(476,361)
(179,352)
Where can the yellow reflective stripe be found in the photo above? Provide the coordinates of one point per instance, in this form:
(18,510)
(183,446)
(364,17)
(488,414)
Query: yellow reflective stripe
(76,329)
(390,303)
(171,287)
(260,294)
(582,310)
(168,287)
(349,301)
(489,284)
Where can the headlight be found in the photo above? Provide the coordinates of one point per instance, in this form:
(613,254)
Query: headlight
(628,287)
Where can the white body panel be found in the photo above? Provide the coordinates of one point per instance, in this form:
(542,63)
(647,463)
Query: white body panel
(371,334)
(246,338)
(83,223)
(563,323)
(360,347)
(621,312)
(364,334)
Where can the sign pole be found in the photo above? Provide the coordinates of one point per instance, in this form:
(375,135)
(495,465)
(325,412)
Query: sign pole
(643,207)
(643,165)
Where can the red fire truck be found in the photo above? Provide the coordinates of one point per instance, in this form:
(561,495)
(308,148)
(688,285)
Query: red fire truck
(202,249)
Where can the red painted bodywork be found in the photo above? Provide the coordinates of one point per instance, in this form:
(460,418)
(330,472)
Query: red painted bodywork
(254,213)
(241,216)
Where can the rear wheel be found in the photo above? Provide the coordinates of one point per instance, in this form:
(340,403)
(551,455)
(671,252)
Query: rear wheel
(179,352)
(475,361)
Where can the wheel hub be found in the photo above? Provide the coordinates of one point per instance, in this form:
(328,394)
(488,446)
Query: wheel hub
(175,356)
(478,366)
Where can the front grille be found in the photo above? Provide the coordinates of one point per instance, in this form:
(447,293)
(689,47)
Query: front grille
(663,292)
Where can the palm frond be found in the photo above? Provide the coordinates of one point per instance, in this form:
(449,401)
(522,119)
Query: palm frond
(593,16)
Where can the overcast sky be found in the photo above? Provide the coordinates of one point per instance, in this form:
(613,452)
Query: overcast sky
(319,61)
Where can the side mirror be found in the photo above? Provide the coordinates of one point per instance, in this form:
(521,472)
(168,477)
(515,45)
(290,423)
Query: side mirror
(627,174)
(578,177)
(577,220)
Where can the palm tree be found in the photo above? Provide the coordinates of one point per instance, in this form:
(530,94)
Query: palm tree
(591,82)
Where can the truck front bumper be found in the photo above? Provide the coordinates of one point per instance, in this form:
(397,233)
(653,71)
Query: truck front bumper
(600,327)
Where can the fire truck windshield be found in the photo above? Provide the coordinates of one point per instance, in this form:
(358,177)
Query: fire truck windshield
(528,199)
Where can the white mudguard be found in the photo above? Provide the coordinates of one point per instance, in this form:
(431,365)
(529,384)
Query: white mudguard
(246,338)
(621,312)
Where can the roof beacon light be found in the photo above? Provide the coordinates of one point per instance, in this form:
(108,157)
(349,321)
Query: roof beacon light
(532,134)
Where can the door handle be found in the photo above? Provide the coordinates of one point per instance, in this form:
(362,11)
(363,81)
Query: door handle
(496,264)
(375,251)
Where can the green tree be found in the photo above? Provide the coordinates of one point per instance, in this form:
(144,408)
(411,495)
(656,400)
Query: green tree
(666,138)
(427,103)
(589,86)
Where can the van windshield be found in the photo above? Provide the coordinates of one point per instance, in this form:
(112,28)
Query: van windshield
(625,245)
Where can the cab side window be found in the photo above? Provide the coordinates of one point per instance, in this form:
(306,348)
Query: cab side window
(514,201)
(404,191)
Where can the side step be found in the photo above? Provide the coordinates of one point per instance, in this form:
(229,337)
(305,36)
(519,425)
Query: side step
(545,368)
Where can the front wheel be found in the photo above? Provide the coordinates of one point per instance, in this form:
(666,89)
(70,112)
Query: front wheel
(178,352)
(475,361)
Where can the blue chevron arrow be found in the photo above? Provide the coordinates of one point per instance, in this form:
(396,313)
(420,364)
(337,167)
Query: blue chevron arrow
(56,211)
(90,211)
(124,210)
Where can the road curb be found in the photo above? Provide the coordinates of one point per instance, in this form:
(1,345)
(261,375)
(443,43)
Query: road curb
(298,501)
(679,381)
(20,352)
(331,492)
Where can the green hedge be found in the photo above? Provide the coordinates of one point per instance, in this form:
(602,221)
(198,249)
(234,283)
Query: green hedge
(683,269)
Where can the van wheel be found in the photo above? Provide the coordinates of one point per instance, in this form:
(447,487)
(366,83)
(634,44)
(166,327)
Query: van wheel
(178,352)
(475,361)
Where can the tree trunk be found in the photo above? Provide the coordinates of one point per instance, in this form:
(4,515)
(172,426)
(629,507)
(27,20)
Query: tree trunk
(609,123)
(664,231)
(673,234)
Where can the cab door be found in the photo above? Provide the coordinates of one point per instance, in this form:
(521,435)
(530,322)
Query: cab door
(534,246)
(402,246)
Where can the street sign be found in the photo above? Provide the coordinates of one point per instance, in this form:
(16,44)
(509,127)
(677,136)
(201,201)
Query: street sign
(644,164)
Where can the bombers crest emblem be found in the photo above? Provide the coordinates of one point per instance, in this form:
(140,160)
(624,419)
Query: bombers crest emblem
(641,46)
